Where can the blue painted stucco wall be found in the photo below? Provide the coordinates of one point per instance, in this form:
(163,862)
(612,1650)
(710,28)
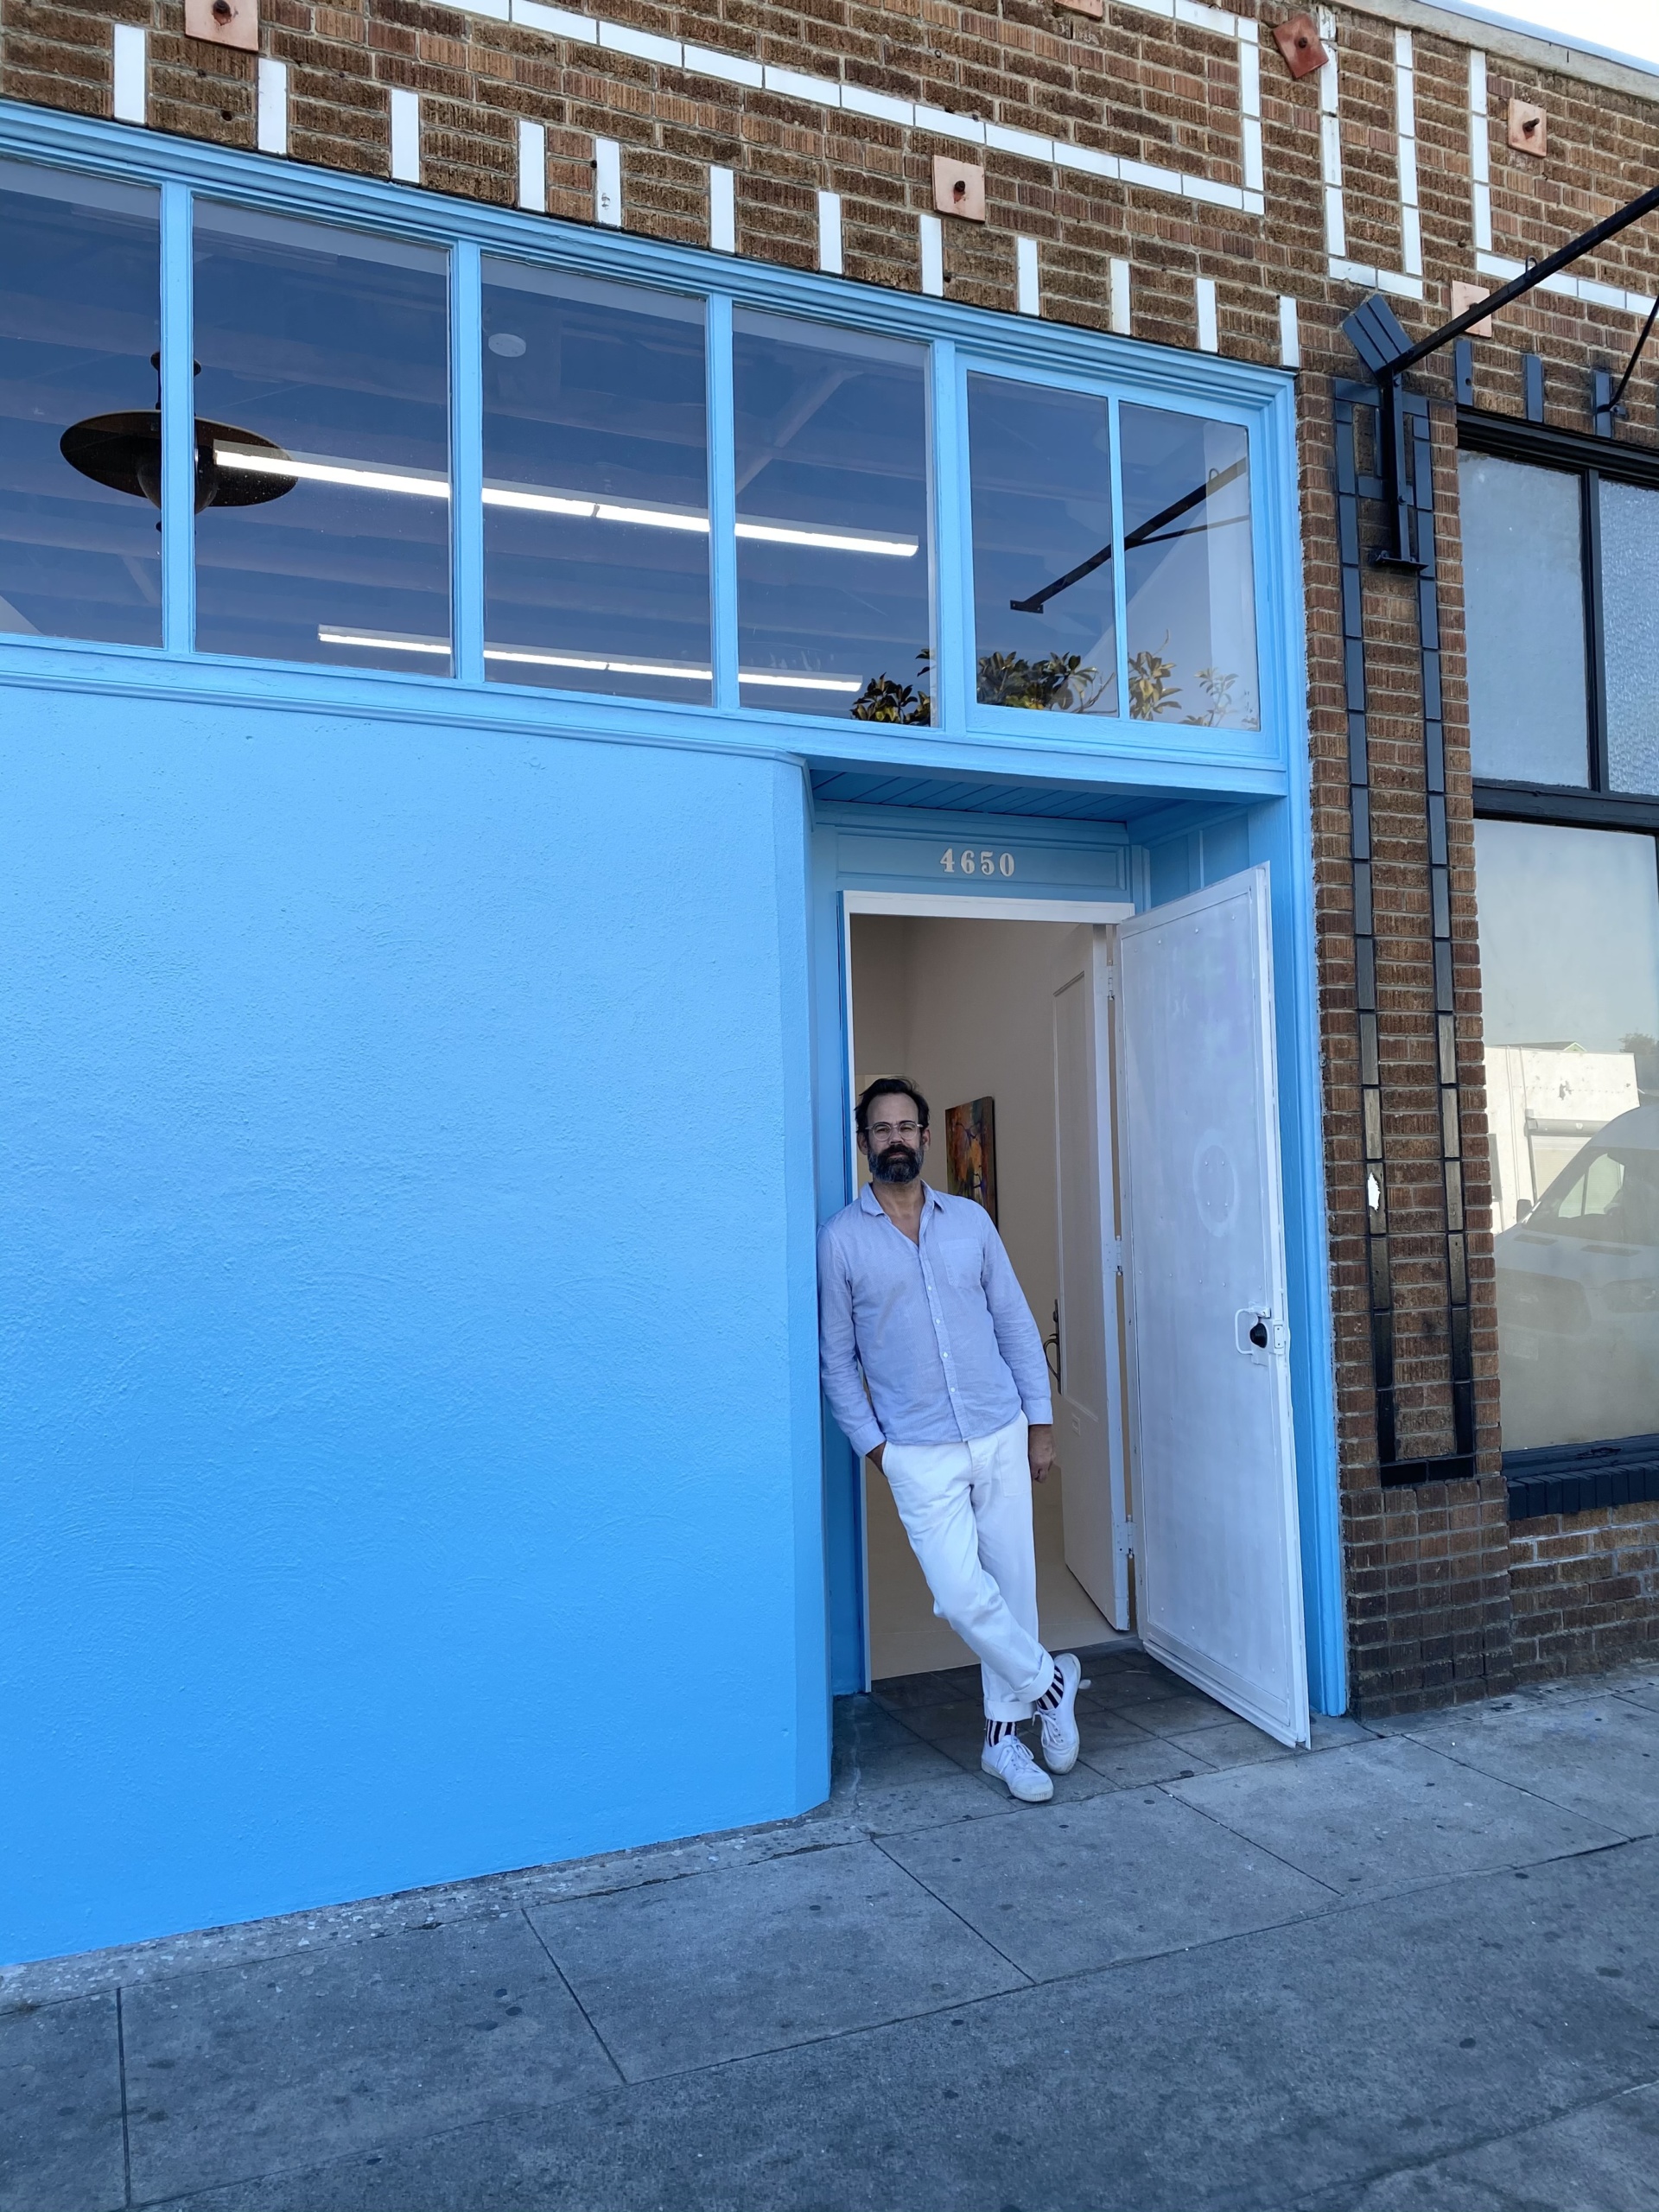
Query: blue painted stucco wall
(408,1419)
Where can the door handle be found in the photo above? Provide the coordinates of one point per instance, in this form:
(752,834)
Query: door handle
(1255,1331)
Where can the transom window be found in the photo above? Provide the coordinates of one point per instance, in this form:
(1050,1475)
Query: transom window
(79,557)
(670,496)
(1561,585)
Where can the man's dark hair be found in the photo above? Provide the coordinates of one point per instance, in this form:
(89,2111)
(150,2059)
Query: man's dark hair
(901,1086)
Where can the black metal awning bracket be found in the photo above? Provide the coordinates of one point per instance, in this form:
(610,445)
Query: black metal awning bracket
(1610,407)
(1376,335)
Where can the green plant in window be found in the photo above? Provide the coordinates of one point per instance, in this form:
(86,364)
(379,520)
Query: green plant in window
(1152,686)
(1057,682)
(886,699)
(1217,685)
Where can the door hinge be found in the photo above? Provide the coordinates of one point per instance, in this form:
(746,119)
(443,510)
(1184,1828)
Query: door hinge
(1123,1539)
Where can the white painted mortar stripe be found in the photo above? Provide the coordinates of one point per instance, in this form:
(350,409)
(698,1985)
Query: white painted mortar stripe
(829,233)
(607,182)
(405,137)
(1121,298)
(932,251)
(1480,155)
(533,168)
(723,211)
(128,93)
(1028,282)
(1208,339)
(1290,340)
(826,92)
(271,129)
(1573,287)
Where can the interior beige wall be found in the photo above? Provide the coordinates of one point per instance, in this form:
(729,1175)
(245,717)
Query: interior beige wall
(964,1009)
(880,1004)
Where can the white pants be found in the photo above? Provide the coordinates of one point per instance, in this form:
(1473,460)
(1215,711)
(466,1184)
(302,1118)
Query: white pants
(967,1510)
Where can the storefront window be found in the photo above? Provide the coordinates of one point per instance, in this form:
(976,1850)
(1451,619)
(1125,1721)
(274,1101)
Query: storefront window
(1629,567)
(834,598)
(1569,948)
(322,529)
(1188,571)
(322,533)
(80,430)
(1523,596)
(1045,624)
(595,486)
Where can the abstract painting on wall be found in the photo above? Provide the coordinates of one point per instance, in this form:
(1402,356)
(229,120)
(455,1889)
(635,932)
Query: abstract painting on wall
(970,1152)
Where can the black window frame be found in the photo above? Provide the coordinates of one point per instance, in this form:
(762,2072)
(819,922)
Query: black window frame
(1591,806)
(1615,1471)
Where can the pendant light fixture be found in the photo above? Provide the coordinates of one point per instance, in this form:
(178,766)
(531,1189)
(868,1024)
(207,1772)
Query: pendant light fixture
(124,452)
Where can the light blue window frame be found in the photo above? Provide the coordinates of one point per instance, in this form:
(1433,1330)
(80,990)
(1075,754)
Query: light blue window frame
(1119,733)
(961,341)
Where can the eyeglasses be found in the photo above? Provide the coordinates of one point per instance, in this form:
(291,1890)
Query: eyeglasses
(884,1132)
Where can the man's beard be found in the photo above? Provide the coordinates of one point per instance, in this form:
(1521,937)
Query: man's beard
(898,1164)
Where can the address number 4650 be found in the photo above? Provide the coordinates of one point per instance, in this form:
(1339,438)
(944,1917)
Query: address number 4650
(967,861)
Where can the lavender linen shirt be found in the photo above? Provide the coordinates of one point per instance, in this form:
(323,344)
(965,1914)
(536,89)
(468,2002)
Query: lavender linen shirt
(941,1329)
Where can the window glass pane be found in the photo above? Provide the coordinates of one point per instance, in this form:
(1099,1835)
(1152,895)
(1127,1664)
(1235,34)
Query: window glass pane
(1188,571)
(80,321)
(1044,633)
(1523,596)
(832,553)
(595,486)
(323,397)
(1630,618)
(1569,950)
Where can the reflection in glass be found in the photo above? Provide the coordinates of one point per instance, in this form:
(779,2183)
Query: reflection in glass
(79,322)
(595,486)
(1044,629)
(1188,571)
(1629,587)
(832,558)
(332,346)
(1523,600)
(1569,950)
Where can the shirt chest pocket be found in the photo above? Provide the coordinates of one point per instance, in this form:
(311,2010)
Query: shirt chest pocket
(958,1261)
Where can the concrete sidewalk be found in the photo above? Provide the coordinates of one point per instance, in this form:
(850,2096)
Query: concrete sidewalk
(1415,1969)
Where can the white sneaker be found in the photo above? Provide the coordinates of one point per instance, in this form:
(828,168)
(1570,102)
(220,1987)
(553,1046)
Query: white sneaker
(1012,1763)
(1061,1741)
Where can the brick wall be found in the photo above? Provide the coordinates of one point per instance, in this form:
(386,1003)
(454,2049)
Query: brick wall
(1430,1573)
(1429,1593)
(1585,1590)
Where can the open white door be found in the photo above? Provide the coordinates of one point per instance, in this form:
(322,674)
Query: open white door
(1218,1574)
(1088,1418)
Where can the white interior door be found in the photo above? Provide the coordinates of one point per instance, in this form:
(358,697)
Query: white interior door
(1087,1415)
(1218,1559)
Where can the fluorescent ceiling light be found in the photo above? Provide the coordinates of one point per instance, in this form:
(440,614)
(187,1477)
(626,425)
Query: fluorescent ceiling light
(248,461)
(538,503)
(522,657)
(832,541)
(534,498)
(396,641)
(780,681)
(653,518)
(390,641)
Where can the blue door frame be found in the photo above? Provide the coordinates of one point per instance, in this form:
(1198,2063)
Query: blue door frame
(1164,850)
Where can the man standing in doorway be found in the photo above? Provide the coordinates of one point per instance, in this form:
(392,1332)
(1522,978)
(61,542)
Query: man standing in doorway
(916,1291)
